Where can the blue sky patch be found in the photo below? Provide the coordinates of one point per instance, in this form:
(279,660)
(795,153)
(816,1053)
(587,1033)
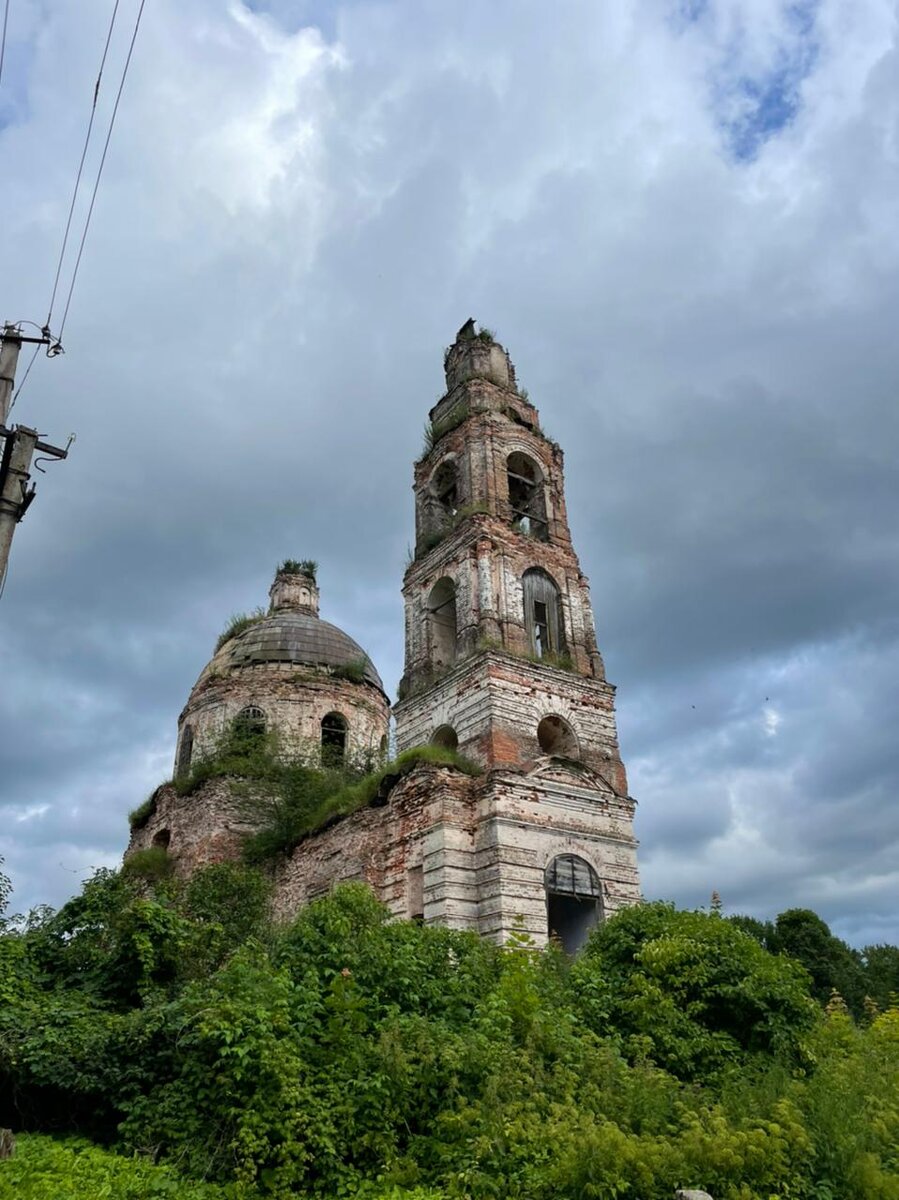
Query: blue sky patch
(764,104)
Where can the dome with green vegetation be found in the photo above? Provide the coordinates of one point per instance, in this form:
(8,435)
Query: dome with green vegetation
(294,637)
(290,632)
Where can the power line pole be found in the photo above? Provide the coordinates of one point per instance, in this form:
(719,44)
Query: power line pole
(9,357)
(19,443)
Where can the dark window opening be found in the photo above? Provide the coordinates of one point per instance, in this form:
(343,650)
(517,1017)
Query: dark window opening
(334,739)
(446,737)
(442,621)
(162,839)
(543,613)
(527,497)
(334,731)
(570,920)
(446,488)
(250,722)
(556,737)
(185,751)
(573,901)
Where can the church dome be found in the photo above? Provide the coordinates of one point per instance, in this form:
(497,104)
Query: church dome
(294,637)
(288,672)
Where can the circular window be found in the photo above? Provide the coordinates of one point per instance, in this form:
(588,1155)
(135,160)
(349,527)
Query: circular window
(556,737)
(446,737)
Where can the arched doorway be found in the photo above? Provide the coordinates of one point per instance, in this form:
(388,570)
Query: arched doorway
(573,901)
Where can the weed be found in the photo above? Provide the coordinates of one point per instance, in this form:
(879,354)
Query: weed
(299,566)
(237,624)
(138,817)
(353,671)
(435,430)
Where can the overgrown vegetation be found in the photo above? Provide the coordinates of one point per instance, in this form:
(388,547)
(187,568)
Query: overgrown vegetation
(138,817)
(563,662)
(435,430)
(436,536)
(299,566)
(353,671)
(73,1169)
(286,799)
(486,335)
(306,799)
(151,863)
(237,624)
(349,1055)
(241,752)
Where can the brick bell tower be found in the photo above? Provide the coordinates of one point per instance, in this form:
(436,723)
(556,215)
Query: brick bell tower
(502,664)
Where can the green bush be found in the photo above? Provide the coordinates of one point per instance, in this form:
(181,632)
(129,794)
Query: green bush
(150,863)
(692,991)
(348,1054)
(44,1168)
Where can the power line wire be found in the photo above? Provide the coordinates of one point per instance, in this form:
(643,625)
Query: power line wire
(115,109)
(87,138)
(3,36)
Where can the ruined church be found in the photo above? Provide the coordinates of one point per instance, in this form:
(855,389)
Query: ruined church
(501,665)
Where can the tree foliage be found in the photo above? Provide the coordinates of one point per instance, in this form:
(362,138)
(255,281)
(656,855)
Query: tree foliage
(348,1054)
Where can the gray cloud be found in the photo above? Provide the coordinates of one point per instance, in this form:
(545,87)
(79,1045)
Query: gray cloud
(299,211)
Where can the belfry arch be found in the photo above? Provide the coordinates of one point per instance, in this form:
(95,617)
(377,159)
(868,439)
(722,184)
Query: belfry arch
(442,628)
(527,496)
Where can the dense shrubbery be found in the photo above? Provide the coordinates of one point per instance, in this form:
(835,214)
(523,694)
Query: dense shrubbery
(350,1055)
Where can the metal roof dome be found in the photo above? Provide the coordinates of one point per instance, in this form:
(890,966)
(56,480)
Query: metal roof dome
(292,632)
(291,637)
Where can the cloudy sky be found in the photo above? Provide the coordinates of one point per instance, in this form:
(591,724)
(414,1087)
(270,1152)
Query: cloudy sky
(681,218)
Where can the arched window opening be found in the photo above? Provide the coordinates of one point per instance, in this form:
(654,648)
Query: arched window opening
(185,751)
(573,901)
(527,497)
(543,613)
(556,737)
(161,838)
(446,737)
(334,731)
(384,746)
(250,723)
(442,621)
(445,488)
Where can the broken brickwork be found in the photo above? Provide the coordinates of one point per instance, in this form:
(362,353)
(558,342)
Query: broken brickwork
(208,826)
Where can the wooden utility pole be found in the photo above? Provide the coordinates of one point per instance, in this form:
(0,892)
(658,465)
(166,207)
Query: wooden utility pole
(19,444)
